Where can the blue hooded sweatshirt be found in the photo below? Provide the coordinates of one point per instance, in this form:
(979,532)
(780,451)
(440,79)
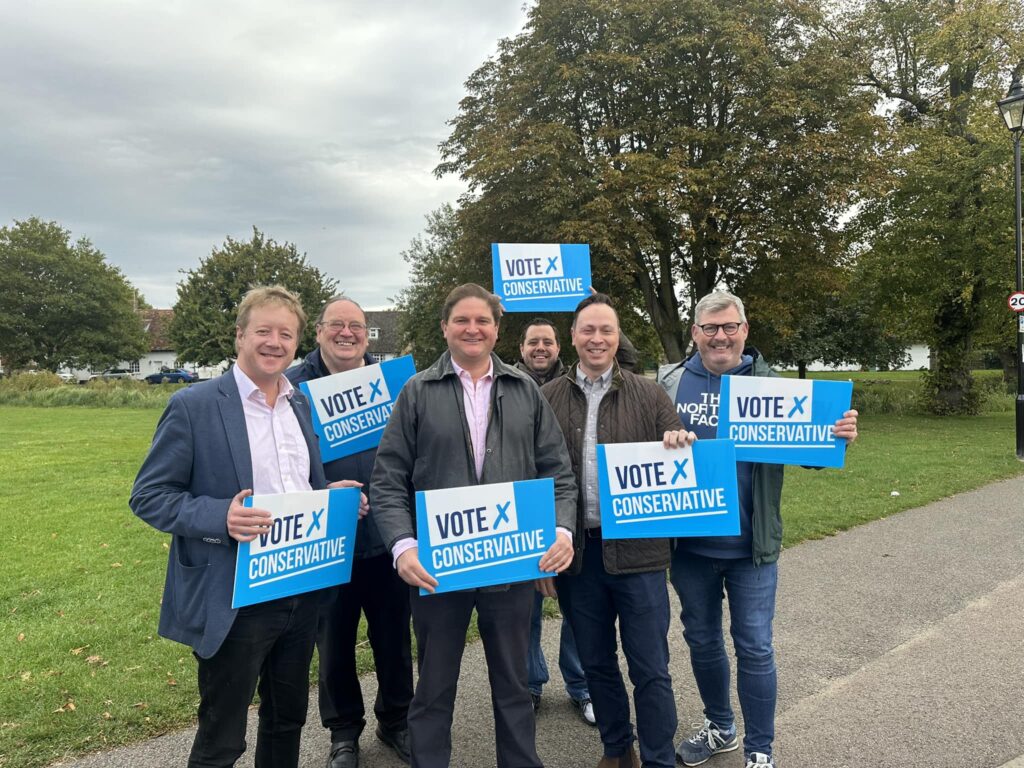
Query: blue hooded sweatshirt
(697,406)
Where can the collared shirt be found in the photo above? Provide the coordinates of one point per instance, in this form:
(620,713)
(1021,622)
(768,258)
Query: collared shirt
(280,455)
(594,391)
(476,396)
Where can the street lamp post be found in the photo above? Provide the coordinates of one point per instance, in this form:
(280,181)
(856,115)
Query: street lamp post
(1012,109)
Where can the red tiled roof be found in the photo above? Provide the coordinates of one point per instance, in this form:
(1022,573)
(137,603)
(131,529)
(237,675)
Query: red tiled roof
(156,323)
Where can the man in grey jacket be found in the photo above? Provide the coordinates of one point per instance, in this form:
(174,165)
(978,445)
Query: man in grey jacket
(469,419)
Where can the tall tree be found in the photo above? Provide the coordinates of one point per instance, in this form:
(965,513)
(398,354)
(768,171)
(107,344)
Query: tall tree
(936,243)
(685,140)
(203,329)
(62,304)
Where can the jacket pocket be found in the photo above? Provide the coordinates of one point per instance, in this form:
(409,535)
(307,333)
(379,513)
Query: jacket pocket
(190,595)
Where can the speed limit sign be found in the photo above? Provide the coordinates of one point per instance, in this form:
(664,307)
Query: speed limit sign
(1016,301)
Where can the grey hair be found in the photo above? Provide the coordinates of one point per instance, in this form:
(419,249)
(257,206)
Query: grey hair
(716,301)
(335,300)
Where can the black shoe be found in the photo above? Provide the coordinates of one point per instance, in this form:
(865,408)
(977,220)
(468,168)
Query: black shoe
(535,698)
(344,754)
(398,740)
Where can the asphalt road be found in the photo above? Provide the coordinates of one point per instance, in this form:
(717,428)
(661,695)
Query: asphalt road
(900,643)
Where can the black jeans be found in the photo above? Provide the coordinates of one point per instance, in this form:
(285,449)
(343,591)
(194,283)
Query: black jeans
(270,644)
(440,622)
(377,591)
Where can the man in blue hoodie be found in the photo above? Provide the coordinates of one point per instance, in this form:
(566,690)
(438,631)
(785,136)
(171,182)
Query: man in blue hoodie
(744,567)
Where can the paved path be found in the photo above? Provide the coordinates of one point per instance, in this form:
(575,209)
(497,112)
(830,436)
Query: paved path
(900,643)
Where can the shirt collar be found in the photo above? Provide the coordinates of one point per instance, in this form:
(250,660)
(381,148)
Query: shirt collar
(583,381)
(463,373)
(246,386)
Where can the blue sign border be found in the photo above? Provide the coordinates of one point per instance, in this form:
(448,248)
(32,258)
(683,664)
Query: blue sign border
(829,401)
(575,265)
(714,464)
(396,373)
(342,515)
(535,509)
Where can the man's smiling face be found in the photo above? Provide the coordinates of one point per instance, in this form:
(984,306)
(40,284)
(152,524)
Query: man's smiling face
(342,346)
(540,349)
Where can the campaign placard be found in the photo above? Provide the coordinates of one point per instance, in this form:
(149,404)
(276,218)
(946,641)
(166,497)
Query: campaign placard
(351,408)
(784,421)
(310,545)
(650,491)
(541,277)
(484,535)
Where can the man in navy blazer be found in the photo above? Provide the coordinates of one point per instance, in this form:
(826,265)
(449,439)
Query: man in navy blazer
(248,431)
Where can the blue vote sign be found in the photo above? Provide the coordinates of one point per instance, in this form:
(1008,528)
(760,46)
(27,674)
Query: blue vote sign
(650,491)
(351,408)
(784,421)
(309,547)
(484,535)
(541,277)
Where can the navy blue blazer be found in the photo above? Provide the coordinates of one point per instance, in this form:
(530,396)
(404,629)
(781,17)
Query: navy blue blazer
(198,462)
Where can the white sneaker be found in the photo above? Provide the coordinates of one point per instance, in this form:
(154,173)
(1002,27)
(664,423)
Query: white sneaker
(759,760)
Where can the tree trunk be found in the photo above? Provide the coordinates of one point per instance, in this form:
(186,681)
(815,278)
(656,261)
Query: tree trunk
(801,369)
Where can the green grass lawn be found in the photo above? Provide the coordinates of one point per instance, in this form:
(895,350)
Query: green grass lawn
(81,666)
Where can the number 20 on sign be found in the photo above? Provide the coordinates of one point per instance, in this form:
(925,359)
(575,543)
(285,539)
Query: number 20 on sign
(1016,301)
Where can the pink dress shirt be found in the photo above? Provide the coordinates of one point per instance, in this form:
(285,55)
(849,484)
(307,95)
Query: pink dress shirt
(280,455)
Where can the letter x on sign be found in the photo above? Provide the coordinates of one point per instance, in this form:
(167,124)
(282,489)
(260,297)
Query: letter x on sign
(502,513)
(314,524)
(798,405)
(552,265)
(375,390)
(680,469)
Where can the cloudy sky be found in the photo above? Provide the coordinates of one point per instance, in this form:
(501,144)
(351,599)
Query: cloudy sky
(158,129)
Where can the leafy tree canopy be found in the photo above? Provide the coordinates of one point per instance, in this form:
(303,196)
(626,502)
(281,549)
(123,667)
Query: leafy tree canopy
(687,141)
(203,329)
(62,304)
(935,244)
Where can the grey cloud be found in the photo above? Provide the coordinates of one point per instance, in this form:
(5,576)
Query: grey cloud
(157,130)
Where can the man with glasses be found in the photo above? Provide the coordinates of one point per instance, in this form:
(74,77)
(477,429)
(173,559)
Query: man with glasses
(744,567)
(375,589)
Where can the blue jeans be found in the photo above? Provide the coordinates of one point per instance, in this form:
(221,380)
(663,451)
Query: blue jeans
(592,601)
(568,658)
(701,583)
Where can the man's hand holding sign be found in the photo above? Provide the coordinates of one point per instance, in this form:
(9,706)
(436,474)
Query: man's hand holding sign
(246,523)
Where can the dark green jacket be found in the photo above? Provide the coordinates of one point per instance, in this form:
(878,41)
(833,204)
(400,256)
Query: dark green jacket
(766,517)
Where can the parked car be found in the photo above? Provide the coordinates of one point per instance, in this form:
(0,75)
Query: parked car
(112,373)
(67,378)
(172,376)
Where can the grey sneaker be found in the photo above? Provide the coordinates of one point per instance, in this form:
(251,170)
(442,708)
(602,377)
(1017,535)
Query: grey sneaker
(706,743)
(759,760)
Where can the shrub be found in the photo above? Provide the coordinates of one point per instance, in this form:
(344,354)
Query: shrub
(47,391)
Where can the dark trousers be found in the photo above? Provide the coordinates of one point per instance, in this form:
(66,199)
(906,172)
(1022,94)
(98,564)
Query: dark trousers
(376,591)
(592,601)
(440,623)
(269,646)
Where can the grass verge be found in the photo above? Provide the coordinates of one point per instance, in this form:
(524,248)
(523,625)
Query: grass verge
(81,666)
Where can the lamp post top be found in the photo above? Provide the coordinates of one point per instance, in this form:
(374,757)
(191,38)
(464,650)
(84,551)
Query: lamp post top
(1012,107)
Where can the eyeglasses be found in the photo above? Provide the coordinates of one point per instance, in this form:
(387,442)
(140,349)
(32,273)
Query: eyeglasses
(336,326)
(710,329)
